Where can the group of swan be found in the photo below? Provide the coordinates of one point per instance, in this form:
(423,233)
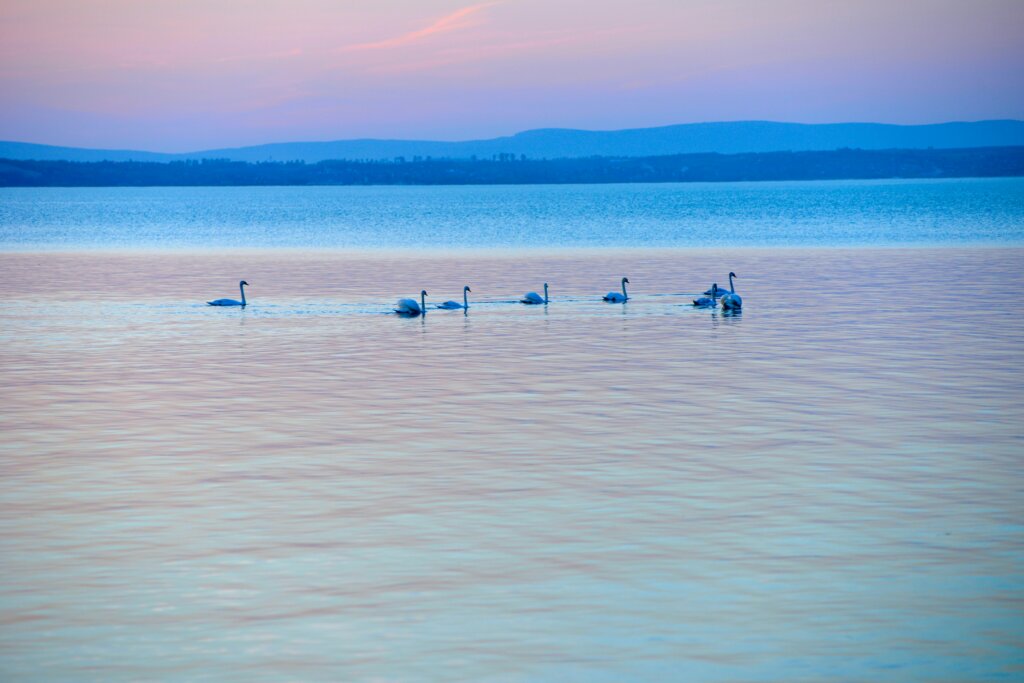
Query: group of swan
(412,308)
(731,301)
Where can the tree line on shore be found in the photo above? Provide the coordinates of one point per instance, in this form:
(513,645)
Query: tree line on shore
(512,170)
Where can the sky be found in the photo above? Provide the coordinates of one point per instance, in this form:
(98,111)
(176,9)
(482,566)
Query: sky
(186,75)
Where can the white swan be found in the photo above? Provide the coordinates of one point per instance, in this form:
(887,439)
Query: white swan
(732,301)
(534,297)
(615,297)
(453,305)
(411,307)
(231,302)
(713,288)
(711,301)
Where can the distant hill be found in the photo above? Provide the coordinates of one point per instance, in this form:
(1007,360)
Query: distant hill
(27,150)
(554,143)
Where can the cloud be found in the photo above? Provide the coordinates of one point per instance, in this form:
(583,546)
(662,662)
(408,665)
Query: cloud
(284,54)
(456,20)
(496,50)
(475,54)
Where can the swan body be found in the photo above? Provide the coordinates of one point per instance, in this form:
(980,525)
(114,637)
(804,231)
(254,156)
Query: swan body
(231,302)
(412,308)
(732,301)
(535,298)
(709,301)
(455,305)
(713,288)
(615,297)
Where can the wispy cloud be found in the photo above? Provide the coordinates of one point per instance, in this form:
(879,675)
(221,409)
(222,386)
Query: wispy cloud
(460,19)
(284,54)
(498,49)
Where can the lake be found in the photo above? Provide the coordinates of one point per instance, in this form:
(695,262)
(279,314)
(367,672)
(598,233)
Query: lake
(827,486)
(832,213)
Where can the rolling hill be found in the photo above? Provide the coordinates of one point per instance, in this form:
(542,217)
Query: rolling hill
(555,143)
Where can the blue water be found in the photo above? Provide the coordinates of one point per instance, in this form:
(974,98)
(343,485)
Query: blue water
(832,213)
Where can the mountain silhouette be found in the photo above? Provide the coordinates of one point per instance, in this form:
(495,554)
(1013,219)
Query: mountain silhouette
(558,143)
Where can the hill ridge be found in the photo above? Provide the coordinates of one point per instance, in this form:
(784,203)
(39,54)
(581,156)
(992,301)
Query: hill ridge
(727,137)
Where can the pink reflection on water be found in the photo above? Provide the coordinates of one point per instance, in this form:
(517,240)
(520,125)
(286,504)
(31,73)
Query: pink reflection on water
(311,487)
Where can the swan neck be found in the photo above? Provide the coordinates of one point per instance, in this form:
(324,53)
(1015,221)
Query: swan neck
(241,288)
(624,295)
(423,304)
(465,299)
(545,292)
(731,287)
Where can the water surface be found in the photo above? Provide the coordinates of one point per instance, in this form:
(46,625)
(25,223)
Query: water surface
(825,487)
(829,213)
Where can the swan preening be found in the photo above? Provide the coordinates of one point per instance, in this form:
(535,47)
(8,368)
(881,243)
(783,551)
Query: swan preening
(534,297)
(453,305)
(615,297)
(231,302)
(732,301)
(411,307)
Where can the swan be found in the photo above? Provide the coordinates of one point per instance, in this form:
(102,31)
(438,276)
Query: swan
(714,287)
(534,297)
(453,305)
(709,302)
(411,307)
(615,297)
(231,302)
(732,300)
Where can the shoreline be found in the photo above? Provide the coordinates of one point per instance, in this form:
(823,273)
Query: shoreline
(487,252)
(766,183)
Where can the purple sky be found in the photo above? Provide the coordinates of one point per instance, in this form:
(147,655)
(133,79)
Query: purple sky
(180,75)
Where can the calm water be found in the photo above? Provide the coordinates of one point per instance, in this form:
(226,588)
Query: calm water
(876,213)
(826,487)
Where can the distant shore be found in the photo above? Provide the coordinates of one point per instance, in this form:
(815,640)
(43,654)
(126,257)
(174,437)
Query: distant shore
(508,169)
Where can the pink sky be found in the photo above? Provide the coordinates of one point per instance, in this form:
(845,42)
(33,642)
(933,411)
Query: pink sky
(183,75)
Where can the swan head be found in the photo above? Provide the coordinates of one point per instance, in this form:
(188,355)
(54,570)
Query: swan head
(625,280)
(423,292)
(732,274)
(466,289)
(243,282)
